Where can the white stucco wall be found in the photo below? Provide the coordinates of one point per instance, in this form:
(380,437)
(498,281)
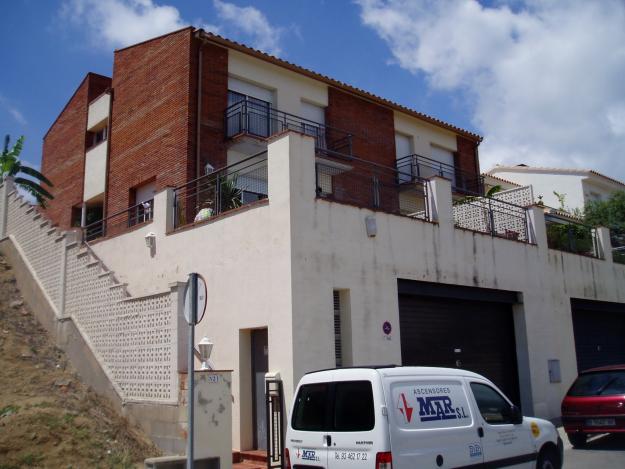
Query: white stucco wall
(545,183)
(276,266)
(424,135)
(98,111)
(290,88)
(95,171)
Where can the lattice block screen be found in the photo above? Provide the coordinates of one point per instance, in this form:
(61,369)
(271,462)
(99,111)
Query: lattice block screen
(42,248)
(134,339)
(492,216)
(522,196)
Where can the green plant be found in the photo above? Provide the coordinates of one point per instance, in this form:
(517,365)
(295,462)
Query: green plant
(31,459)
(11,166)
(230,195)
(561,200)
(8,410)
(570,237)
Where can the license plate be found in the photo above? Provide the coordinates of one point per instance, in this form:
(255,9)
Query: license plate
(600,422)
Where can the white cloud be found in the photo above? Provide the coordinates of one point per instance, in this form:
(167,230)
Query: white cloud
(253,23)
(12,110)
(543,79)
(119,23)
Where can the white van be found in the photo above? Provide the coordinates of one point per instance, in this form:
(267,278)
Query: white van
(412,417)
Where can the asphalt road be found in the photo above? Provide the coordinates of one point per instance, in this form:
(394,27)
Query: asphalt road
(601,452)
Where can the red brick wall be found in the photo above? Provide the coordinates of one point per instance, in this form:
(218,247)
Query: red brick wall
(373,139)
(151,116)
(214,102)
(64,150)
(466,159)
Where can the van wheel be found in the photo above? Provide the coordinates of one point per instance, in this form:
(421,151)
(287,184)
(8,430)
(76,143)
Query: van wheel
(548,459)
(578,440)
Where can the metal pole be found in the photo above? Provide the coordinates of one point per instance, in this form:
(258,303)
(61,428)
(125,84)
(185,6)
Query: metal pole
(190,377)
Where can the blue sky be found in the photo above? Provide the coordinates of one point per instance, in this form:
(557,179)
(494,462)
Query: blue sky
(533,77)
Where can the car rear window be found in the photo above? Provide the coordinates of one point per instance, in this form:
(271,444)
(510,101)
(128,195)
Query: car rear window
(344,406)
(599,383)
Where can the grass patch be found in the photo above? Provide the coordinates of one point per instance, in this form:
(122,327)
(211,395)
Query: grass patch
(9,410)
(31,459)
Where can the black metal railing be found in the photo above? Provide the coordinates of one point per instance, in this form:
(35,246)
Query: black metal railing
(417,166)
(255,117)
(369,185)
(492,216)
(617,238)
(274,408)
(567,235)
(114,224)
(221,191)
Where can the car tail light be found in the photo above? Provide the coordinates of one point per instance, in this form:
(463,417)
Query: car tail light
(384,460)
(287,459)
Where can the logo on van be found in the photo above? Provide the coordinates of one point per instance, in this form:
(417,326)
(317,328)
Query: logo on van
(404,408)
(438,408)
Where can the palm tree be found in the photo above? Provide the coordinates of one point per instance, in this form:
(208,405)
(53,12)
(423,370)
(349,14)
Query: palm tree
(11,166)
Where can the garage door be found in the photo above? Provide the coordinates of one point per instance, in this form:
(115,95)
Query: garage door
(469,334)
(599,330)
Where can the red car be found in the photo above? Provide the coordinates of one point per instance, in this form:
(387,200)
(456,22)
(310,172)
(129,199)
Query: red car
(595,404)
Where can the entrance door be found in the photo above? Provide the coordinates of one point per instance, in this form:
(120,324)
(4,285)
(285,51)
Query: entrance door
(260,366)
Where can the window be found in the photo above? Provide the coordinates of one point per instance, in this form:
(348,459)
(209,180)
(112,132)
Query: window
(343,406)
(353,407)
(310,409)
(338,355)
(495,409)
(604,383)
(99,136)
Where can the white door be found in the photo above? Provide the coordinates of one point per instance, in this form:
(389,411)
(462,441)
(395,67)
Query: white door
(359,430)
(444,163)
(431,423)
(504,443)
(403,149)
(307,438)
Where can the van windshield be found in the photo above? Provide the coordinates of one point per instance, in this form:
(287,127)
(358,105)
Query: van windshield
(345,406)
(599,383)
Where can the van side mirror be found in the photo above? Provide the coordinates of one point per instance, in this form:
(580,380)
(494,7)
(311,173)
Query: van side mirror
(515,415)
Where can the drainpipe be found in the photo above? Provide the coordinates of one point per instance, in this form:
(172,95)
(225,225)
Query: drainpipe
(108,155)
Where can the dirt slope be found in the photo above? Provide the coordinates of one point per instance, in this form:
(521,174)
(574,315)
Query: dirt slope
(48,418)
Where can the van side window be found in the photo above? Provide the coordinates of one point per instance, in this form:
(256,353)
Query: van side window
(353,406)
(495,409)
(309,413)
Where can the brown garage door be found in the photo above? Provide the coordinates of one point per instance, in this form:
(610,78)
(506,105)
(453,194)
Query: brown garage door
(469,334)
(599,329)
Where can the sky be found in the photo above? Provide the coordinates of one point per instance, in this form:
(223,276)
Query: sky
(542,81)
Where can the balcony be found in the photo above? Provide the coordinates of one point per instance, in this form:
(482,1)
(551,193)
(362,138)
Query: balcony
(365,184)
(414,167)
(256,118)
(118,222)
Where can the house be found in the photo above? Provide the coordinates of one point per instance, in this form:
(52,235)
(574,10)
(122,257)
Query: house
(332,227)
(577,187)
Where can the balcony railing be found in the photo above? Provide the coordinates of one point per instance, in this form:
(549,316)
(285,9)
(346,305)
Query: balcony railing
(257,118)
(118,222)
(492,216)
(567,235)
(221,191)
(372,186)
(617,237)
(416,166)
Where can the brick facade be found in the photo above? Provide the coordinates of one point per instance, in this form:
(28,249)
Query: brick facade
(151,117)
(63,155)
(466,159)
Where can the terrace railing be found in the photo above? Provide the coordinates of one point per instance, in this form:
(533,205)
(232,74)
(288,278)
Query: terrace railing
(369,185)
(421,167)
(492,216)
(567,235)
(257,118)
(221,191)
(118,222)
(617,238)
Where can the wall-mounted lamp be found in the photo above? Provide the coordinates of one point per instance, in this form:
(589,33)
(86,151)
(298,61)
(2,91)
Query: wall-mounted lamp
(371,226)
(150,240)
(208,168)
(206,347)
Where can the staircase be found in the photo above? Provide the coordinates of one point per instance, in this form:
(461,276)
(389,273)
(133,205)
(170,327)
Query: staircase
(254,459)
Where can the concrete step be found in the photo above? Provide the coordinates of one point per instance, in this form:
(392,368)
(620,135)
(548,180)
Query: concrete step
(249,465)
(254,455)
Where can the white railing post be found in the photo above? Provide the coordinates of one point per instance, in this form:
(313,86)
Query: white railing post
(7,186)
(439,200)
(537,228)
(603,243)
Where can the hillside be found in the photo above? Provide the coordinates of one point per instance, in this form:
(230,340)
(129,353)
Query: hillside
(48,418)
